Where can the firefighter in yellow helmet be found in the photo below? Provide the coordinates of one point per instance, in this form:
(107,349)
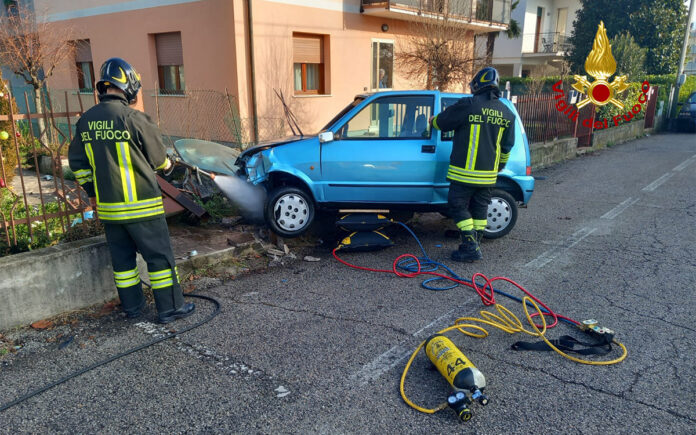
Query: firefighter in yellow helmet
(114,155)
(484,133)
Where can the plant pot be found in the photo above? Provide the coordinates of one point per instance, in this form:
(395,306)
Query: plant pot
(46,165)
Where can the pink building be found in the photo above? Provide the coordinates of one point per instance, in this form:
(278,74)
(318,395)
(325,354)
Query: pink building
(319,53)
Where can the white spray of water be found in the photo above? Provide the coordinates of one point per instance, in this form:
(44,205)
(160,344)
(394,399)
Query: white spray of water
(248,197)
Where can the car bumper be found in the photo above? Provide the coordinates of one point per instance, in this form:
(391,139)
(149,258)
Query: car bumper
(526,183)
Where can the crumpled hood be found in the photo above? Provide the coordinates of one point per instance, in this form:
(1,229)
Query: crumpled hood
(270,144)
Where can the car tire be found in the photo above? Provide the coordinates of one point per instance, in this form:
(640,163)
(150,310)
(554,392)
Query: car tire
(502,214)
(289,211)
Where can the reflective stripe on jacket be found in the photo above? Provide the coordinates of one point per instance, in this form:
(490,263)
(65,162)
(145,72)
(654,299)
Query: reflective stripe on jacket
(114,155)
(484,133)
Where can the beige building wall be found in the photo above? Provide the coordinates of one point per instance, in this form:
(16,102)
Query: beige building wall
(347,53)
(216,50)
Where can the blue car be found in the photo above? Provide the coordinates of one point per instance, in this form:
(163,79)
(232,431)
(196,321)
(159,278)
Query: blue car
(379,152)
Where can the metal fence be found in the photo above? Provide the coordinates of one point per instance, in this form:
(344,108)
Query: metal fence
(197,114)
(549,42)
(497,11)
(541,120)
(37,203)
(208,115)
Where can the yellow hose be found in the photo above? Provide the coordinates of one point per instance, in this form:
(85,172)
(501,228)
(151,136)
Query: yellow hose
(506,321)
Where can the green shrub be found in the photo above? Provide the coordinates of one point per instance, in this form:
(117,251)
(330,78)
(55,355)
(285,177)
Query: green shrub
(629,98)
(218,206)
(44,233)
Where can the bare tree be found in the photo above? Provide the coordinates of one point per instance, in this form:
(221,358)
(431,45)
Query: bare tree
(32,48)
(438,52)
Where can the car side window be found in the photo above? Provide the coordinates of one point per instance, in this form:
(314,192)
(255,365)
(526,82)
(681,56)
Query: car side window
(447,136)
(392,117)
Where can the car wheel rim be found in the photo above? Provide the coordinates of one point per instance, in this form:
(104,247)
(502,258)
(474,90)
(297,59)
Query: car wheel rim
(499,215)
(291,212)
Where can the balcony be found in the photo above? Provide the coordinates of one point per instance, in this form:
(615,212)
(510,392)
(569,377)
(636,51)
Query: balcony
(481,15)
(545,44)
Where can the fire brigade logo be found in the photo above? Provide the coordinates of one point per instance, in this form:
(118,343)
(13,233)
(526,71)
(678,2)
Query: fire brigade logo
(601,65)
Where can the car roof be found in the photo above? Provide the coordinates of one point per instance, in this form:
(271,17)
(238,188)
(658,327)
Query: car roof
(413,92)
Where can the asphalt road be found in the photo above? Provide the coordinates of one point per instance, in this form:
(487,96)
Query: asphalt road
(319,348)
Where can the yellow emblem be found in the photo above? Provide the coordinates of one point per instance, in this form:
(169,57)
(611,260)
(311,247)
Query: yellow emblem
(121,79)
(601,65)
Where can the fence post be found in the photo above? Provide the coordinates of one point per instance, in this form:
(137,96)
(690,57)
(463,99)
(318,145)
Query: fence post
(21,175)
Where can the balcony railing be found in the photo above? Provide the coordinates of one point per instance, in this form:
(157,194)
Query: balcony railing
(488,11)
(548,43)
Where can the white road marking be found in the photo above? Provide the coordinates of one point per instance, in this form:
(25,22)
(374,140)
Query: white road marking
(391,358)
(657,183)
(380,365)
(611,214)
(552,254)
(434,322)
(684,164)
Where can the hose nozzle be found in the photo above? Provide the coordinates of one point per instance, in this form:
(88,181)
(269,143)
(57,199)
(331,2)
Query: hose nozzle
(194,168)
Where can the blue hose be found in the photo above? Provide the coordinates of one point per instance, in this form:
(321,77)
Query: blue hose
(430,265)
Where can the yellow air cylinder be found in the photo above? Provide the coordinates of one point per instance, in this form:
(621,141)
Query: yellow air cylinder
(461,373)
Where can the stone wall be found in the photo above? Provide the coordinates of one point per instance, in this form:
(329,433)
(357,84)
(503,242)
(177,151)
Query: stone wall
(616,135)
(547,153)
(44,283)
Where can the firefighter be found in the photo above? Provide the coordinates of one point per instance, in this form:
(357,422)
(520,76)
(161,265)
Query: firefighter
(114,155)
(484,133)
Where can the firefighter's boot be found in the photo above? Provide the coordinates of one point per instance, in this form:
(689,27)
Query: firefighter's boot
(479,236)
(165,300)
(469,250)
(132,300)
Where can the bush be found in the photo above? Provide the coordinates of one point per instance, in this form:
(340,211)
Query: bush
(218,206)
(629,98)
(11,207)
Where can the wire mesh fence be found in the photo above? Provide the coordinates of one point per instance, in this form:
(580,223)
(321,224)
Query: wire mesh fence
(193,114)
(208,115)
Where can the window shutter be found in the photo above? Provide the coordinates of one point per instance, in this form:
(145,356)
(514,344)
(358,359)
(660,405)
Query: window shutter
(307,48)
(83,51)
(168,46)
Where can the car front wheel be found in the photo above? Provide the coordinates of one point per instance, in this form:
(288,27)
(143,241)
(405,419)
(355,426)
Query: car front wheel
(502,214)
(289,211)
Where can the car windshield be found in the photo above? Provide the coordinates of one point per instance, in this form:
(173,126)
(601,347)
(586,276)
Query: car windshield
(355,102)
(692,98)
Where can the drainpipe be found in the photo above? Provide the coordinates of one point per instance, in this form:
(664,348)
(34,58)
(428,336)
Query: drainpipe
(254,111)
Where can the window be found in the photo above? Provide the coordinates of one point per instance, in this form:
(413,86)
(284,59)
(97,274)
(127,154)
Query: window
(308,63)
(170,63)
(11,7)
(447,136)
(84,65)
(382,64)
(391,117)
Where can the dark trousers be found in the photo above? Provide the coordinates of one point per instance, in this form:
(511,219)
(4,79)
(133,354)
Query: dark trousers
(468,205)
(151,239)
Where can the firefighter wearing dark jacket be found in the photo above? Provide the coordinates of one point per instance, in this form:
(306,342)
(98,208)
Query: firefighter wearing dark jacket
(114,155)
(484,132)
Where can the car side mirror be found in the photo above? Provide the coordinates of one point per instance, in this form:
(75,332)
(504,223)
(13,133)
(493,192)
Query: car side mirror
(326,136)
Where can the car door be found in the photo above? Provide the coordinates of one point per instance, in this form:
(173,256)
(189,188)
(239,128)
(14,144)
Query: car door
(444,149)
(385,153)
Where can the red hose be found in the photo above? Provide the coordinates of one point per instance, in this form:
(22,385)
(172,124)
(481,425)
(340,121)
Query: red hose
(486,292)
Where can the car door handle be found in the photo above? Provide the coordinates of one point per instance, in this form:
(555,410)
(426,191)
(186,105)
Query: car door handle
(428,148)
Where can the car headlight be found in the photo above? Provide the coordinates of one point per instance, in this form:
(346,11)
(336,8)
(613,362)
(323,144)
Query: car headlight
(254,168)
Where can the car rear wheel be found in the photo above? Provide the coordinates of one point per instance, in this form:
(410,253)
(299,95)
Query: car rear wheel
(502,214)
(289,211)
